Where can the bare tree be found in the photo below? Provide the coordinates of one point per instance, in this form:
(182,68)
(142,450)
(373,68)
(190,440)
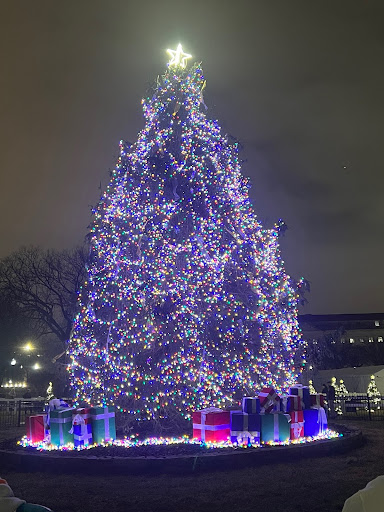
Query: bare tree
(44,284)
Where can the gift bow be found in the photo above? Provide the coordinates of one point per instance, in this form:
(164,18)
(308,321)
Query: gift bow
(296,427)
(77,420)
(244,436)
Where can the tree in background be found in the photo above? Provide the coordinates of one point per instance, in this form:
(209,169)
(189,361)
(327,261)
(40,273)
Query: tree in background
(373,393)
(39,290)
(187,303)
(312,390)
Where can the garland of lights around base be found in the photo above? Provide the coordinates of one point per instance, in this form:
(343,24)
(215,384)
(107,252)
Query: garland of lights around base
(187,304)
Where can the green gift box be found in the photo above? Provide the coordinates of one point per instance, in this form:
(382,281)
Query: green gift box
(103,423)
(274,427)
(60,423)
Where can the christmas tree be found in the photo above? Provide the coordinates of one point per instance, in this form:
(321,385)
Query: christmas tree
(187,303)
(373,393)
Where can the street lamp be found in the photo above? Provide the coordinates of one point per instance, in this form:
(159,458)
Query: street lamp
(13,362)
(36,366)
(28,347)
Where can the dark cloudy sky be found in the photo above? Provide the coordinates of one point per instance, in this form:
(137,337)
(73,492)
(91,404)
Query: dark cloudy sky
(299,83)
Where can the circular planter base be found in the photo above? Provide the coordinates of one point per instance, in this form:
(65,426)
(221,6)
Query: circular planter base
(23,460)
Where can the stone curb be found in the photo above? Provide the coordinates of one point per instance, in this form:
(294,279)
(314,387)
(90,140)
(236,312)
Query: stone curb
(40,462)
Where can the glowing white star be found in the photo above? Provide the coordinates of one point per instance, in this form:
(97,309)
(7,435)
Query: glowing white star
(178,57)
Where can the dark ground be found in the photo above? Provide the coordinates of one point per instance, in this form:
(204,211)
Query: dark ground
(309,485)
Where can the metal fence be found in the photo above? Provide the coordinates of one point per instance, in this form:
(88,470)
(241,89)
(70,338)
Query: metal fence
(360,407)
(14,411)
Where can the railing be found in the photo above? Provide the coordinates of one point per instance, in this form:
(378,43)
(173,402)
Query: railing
(360,407)
(14,411)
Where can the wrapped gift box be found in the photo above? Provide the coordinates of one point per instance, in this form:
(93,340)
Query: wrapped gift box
(269,400)
(103,423)
(82,428)
(36,427)
(303,393)
(315,421)
(297,424)
(317,400)
(251,404)
(290,403)
(211,425)
(60,424)
(245,428)
(274,427)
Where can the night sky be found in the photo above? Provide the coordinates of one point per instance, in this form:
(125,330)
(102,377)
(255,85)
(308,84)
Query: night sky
(299,83)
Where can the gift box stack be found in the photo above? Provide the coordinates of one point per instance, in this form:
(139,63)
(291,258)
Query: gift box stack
(260,420)
(314,416)
(62,424)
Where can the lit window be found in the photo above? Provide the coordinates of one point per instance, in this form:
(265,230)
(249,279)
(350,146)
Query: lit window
(351,340)
(377,323)
(361,340)
(371,340)
(342,340)
(380,339)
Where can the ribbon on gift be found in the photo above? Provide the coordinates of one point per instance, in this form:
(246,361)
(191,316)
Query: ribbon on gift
(322,420)
(245,437)
(54,405)
(61,422)
(268,400)
(249,401)
(204,427)
(77,420)
(85,435)
(106,416)
(297,429)
(300,390)
(294,415)
(276,425)
(283,403)
(317,398)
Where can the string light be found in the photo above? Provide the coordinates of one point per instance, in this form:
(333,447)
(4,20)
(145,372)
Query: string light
(162,441)
(187,303)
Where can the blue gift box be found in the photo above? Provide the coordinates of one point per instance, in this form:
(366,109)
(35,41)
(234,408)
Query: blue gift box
(315,421)
(245,428)
(82,434)
(251,404)
(303,393)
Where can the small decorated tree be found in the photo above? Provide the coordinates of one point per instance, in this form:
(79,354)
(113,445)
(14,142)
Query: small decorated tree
(373,394)
(312,390)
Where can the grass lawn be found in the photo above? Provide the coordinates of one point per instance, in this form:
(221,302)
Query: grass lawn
(308,485)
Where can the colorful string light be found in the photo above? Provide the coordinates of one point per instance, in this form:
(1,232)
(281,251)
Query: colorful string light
(164,441)
(187,303)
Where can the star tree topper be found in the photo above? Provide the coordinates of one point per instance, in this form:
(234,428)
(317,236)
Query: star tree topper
(178,57)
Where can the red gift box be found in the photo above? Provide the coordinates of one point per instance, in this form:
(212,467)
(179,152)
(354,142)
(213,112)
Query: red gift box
(36,427)
(294,403)
(269,400)
(297,424)
(211,425)
(317,400)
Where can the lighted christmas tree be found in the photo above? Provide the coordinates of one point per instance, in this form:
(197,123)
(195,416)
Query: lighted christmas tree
(340,393)
(373,393)
(187,303)
(342,389)
(312,389)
